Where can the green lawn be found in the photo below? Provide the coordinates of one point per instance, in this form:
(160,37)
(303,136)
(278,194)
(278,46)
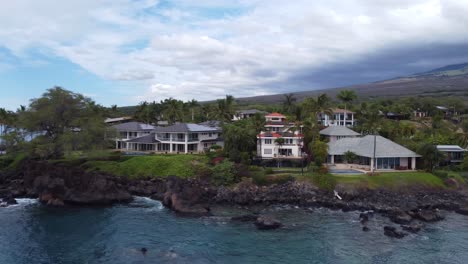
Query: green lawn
(149,166)
(392,180)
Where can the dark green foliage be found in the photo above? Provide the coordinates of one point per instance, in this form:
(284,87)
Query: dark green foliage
(431,157)
(224,173)
(324,181)
(350,156)
(441,174)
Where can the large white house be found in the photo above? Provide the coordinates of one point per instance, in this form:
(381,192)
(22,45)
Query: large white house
(340,117)
(277,141)
(177,138)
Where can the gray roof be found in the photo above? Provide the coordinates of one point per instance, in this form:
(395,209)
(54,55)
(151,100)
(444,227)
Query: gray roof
(211,123)
(338,131)
(250,111)
(450,148)
(133,126)
(146,139)
(185,127)
(364,147)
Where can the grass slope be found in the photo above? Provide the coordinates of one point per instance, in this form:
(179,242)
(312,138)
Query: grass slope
(392,180)
(149,166)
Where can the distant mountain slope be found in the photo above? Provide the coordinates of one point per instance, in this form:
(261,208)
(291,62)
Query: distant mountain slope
(451,80)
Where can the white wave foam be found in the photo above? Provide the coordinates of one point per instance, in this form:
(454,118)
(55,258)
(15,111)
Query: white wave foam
(147,202)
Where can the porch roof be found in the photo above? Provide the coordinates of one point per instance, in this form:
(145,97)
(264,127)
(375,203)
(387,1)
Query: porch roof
(147,139)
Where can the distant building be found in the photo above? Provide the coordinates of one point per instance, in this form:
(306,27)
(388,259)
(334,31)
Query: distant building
(418,113)
(177,138)
(455,154)
(276,122)
(388,154)
(268,148)
(276,127)
(118,120)
(244,114)
(338,132)
(340,117)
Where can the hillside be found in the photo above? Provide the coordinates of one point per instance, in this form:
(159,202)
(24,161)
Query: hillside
(451,80)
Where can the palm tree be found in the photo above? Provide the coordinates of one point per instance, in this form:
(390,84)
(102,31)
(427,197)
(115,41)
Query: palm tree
(280,143)
(346,96)
(289,103)
(173,110)
(226,108)
(192,105)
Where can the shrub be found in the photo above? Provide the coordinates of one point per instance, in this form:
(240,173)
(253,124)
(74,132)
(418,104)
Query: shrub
(202,171)
(224,173)
(441,174)
(324,181)
(269,171)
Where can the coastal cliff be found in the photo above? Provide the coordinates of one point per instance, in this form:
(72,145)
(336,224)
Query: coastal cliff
(58,184)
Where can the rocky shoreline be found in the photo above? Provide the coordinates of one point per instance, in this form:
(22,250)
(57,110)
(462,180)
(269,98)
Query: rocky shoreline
(56,185)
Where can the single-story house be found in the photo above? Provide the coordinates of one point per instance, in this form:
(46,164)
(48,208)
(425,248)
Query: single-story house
(243,114)
(455,154)
(373,153)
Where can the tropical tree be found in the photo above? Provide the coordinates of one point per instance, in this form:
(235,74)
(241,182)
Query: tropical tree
(430,156)
(192,105)
(173,110)
(319,150)
(239,141)
(64,121)
(289,103)
(346,96)
(350,156)
(226,108)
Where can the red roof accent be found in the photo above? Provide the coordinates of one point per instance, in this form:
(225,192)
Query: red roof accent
(276,114)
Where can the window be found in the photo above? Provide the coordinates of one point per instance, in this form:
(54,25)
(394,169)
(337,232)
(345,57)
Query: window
(267,151)
(267,141)
(288,141)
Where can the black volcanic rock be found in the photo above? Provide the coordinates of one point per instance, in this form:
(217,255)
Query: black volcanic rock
(267,223)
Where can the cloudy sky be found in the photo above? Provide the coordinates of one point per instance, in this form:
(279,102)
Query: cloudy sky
(125,51)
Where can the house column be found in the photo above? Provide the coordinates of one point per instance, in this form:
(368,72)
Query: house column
(372,165)
(332,159)
(170,142)
(352,120)
(116,144)
(413,163)
(186,143)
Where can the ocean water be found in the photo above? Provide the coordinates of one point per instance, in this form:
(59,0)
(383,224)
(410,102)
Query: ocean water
(32,233)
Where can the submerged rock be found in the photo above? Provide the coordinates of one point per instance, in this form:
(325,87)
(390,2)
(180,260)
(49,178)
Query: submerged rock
(267,223)
(463,210)
(428,215)
(400,217)
(391,231)
(413,227)
(245,218)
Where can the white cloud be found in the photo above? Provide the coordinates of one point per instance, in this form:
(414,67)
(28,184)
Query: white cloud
(184,52)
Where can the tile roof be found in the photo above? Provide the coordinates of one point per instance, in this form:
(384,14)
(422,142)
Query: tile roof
(279,134)
(365,147)
(275,114)
(338,131)
(133,126)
